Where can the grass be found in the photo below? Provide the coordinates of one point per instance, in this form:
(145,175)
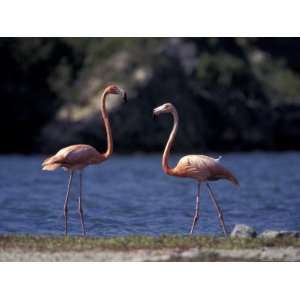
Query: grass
(58,244)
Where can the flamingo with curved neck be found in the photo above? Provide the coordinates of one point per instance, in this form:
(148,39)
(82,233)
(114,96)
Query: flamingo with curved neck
(198,167)
(77,157)
(105,118)
(171,140)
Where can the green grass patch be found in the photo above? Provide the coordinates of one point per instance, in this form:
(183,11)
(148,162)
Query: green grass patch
(57,244)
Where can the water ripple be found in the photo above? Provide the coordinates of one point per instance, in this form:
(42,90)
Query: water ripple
(131,195)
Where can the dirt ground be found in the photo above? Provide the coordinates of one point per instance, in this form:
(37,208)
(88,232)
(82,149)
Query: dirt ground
(193,254)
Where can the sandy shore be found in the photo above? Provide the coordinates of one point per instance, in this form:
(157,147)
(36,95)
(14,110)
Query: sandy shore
(193,254)
(142,248)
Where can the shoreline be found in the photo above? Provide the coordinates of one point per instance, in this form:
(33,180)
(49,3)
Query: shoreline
(142,248)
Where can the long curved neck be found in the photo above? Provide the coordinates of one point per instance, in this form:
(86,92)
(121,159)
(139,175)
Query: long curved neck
(104,113)
(167,169)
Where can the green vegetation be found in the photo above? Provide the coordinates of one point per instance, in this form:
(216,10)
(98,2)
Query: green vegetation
(57,244)
(231,93)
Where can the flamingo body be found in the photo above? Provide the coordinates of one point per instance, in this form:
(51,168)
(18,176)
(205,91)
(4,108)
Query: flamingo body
(75,157)
(202,168)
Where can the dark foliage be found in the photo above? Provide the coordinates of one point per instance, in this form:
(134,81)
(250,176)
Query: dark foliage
(231,93)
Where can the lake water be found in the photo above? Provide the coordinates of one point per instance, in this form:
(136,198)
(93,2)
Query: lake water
(130,195)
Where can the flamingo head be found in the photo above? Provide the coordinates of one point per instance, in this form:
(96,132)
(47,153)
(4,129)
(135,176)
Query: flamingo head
(165,108)
(115,90)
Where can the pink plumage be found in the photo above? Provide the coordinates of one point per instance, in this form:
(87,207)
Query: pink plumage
(199,167)
(203,168)
(77,157)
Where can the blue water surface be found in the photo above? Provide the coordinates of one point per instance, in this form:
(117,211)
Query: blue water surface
(130,195)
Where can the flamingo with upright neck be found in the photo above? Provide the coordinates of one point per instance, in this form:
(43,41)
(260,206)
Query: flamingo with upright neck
(198,167)
(77,157)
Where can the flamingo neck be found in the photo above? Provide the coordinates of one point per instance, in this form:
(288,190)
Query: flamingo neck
(104,113)
(167,169)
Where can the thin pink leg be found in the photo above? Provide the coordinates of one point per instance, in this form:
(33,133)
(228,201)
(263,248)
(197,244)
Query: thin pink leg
(66,202)
(196,216)
(218,208)
(80,210)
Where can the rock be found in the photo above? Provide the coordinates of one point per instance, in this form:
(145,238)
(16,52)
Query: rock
(268,234)
(243,231)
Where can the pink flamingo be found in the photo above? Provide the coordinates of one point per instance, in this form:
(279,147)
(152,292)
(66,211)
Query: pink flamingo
(77,157)
(199,167)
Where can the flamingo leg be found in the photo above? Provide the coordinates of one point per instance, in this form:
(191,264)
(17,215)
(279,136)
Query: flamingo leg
(66,202)
(80,210)
(196,216)
(219,210)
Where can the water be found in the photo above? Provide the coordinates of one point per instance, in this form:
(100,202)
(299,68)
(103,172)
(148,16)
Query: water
(130,195)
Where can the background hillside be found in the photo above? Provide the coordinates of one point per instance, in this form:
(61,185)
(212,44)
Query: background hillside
(232,94)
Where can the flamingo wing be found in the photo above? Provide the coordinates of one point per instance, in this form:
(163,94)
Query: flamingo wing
(203,168)
(72,156)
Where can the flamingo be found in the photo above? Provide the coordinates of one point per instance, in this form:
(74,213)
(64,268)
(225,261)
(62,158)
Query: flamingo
(77,157)
(198,167)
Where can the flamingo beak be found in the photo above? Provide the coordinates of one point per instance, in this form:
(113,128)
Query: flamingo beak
(125,97)
(165,108)
(155,113)
(158,110)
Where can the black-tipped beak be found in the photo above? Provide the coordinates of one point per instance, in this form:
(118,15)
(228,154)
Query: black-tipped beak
(154,115)
(125,97)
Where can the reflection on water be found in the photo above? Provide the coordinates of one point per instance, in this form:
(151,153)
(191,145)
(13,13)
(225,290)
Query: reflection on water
(131,195)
